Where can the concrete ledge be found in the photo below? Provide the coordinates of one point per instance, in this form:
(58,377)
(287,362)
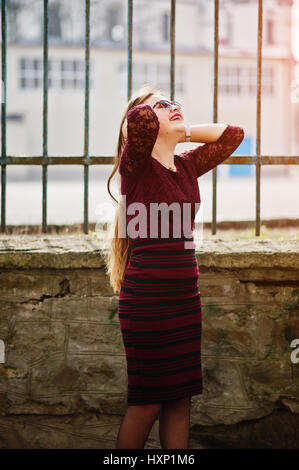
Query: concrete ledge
(85,251)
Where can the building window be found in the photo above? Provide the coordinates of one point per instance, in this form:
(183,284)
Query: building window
(62,73)
(154,73)
(229,80)
(235,80)
(225,28)
(165,27)
(31,74)
(267,81)
(270,31)
(54,21)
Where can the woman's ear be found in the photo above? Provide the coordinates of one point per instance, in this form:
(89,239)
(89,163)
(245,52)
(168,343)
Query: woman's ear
(124,129)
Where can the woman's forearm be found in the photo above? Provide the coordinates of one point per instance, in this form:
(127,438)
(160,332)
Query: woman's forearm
(206,132)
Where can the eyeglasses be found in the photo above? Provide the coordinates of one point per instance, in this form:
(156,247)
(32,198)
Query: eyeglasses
(168,104)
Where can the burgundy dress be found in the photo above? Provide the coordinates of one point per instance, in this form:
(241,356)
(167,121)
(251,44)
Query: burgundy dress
(159,306)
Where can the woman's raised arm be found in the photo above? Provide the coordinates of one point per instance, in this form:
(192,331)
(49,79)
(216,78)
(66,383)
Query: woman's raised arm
(209,155)
(142,131)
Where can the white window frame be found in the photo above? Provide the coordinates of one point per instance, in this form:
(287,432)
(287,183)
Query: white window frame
(156,73)
(237,80)
(58,78)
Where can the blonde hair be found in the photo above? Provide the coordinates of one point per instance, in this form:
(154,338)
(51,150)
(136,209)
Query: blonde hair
(118,255)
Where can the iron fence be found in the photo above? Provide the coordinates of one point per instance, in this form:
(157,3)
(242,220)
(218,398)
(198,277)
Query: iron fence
(86,159)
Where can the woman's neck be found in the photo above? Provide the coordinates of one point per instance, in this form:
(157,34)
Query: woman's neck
(164,151)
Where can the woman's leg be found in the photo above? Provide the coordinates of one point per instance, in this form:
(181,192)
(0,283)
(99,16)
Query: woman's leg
(174,424)
(136,426)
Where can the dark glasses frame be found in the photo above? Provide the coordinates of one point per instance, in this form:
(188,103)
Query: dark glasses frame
(168,104)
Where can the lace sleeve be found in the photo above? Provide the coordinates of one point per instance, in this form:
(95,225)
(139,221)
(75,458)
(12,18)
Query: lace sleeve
(142,131)
(209,155)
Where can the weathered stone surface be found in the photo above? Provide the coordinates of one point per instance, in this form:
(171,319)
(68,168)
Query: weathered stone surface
(93,431)
(83,382)
(278,430)
(269,379)
(97,337)
(225,399)
(237,336)
(64,355)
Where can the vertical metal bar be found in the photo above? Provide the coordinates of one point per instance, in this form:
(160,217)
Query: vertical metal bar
(258,120)
(86,111)
(45,115)
(215,107)
(3,115)
(130,42)
(172,50)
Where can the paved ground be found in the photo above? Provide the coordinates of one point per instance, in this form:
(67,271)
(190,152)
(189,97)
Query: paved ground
(235,199)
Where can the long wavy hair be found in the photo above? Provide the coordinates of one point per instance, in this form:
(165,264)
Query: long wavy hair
(119,248)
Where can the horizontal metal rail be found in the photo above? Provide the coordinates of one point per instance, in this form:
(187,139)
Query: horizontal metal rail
(108,159)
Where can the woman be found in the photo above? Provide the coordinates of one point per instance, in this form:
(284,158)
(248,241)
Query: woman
(156,275)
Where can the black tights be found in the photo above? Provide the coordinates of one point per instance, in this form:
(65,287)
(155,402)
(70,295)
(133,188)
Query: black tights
(174,423)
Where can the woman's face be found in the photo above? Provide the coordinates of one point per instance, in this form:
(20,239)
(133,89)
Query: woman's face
(168,120)
(166,116)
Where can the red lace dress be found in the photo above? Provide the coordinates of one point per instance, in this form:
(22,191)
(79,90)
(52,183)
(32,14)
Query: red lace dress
(159,307)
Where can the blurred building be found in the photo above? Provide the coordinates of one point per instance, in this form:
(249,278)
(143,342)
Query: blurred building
(194,65)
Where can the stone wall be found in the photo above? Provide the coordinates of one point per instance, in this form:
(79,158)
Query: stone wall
(63,382)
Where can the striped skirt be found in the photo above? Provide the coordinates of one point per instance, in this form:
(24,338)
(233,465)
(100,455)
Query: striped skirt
(159,313)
